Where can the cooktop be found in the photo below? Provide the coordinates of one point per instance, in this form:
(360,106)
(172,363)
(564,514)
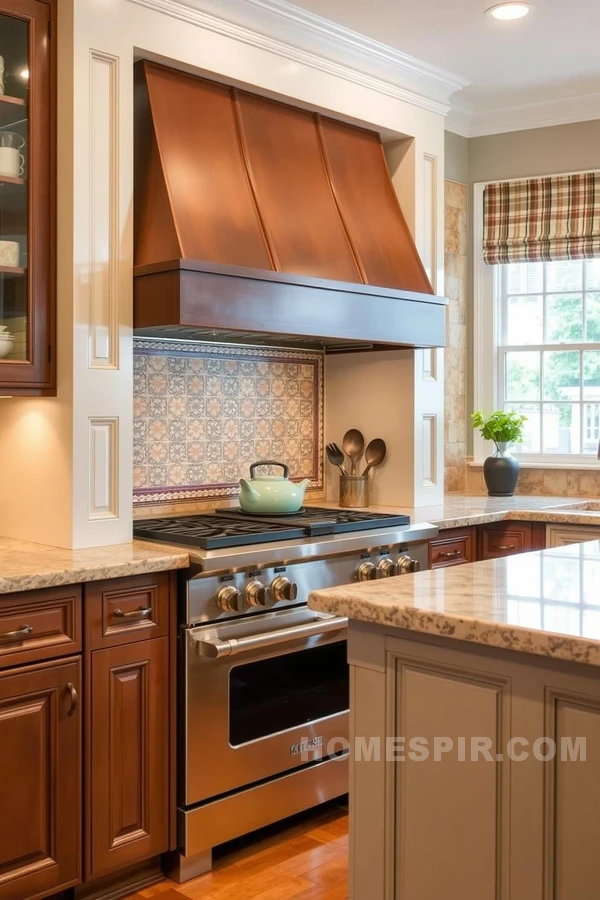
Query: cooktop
(235,528)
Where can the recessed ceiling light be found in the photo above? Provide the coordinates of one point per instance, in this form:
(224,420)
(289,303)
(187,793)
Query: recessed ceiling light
(510,10)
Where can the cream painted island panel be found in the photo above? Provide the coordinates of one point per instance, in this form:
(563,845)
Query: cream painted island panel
(482,817)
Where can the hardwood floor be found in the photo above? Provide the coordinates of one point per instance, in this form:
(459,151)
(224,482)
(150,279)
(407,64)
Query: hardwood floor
(305,858)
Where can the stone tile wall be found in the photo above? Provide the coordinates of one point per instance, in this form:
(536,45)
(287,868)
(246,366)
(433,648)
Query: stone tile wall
(554,482)
(455,435)
(203,413)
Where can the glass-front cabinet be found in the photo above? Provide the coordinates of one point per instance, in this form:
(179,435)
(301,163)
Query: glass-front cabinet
(27,207)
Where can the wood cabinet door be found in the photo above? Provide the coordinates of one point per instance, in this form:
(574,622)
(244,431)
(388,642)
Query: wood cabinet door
(128,756)
(27,199)
(40,793)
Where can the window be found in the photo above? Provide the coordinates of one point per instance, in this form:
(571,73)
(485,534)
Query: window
(537,351)
(548,353)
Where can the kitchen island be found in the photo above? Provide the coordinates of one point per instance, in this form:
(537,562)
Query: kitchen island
(475,723)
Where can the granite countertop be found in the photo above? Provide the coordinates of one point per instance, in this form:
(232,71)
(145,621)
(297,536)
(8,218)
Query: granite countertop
(459,510)
(546,602)
(25,566)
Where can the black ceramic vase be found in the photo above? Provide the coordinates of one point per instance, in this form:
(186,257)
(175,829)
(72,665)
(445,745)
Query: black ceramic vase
(501,472)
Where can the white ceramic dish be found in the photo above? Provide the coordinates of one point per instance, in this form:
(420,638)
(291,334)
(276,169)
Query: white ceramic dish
(7,342)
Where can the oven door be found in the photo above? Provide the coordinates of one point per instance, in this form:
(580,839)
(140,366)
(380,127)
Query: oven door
(258,693)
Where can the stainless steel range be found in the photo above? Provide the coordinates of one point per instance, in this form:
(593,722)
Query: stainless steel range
(263,679)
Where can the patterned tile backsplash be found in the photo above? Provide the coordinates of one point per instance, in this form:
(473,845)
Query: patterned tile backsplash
(203,413)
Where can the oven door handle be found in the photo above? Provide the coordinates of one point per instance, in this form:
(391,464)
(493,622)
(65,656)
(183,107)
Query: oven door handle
(215,649)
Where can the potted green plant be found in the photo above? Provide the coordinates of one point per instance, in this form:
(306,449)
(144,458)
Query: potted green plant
(501,471)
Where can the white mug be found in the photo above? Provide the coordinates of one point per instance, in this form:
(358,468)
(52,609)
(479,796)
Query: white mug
(9,253)
(12,163)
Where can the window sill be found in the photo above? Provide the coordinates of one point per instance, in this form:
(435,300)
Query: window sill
(571,467)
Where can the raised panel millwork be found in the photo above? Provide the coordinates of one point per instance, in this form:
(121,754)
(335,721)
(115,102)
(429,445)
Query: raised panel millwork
(459,806)
(40,765)
(104,468)
(104,211)
(53,617)
(429,365)
(430,224)
(561,535)
(128,816)
(429,447)
(572,809)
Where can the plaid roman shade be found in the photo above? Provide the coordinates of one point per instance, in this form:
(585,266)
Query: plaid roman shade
(542,219)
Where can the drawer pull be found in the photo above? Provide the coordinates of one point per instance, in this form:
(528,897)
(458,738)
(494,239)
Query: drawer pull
(21,632)
(504,547)
(74,698)
(452,554)
(143,612)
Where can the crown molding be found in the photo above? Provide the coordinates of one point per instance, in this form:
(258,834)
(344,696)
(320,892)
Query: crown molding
(459,120)
(469,122)
(307,39)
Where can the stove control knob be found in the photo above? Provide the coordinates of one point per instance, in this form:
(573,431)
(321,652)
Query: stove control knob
(367,571)
(256,594)
(284,589)
(406,565)
(229,599)
(387,568)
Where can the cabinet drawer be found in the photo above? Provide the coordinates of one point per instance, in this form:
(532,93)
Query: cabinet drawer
(124,610)
(457,546)
(504,539)
(36,625)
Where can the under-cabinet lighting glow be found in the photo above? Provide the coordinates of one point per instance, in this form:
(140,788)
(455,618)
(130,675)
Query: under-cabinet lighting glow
(510,10)
(24,74)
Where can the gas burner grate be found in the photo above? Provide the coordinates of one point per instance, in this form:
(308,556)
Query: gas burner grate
(212,532)
(235,528)
(317,521)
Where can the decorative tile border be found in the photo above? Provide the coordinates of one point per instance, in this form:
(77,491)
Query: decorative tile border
(203,413)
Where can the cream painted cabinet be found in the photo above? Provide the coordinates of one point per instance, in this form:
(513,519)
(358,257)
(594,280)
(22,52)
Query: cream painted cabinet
(462,812)
(559,535)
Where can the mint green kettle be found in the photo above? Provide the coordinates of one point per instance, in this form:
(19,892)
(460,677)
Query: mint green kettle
(271,493)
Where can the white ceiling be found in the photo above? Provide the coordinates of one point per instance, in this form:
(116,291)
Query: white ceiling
(549,59)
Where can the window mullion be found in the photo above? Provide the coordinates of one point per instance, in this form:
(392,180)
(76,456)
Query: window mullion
(584,299)
(581,407)
(544,302)
(541,401)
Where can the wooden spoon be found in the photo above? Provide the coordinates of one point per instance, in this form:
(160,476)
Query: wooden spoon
(353,444)
(374,454)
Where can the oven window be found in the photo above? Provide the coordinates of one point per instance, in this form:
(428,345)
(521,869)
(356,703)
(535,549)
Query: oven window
(276,694)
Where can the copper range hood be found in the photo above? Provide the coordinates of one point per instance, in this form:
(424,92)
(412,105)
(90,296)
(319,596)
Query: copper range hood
(259,222)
